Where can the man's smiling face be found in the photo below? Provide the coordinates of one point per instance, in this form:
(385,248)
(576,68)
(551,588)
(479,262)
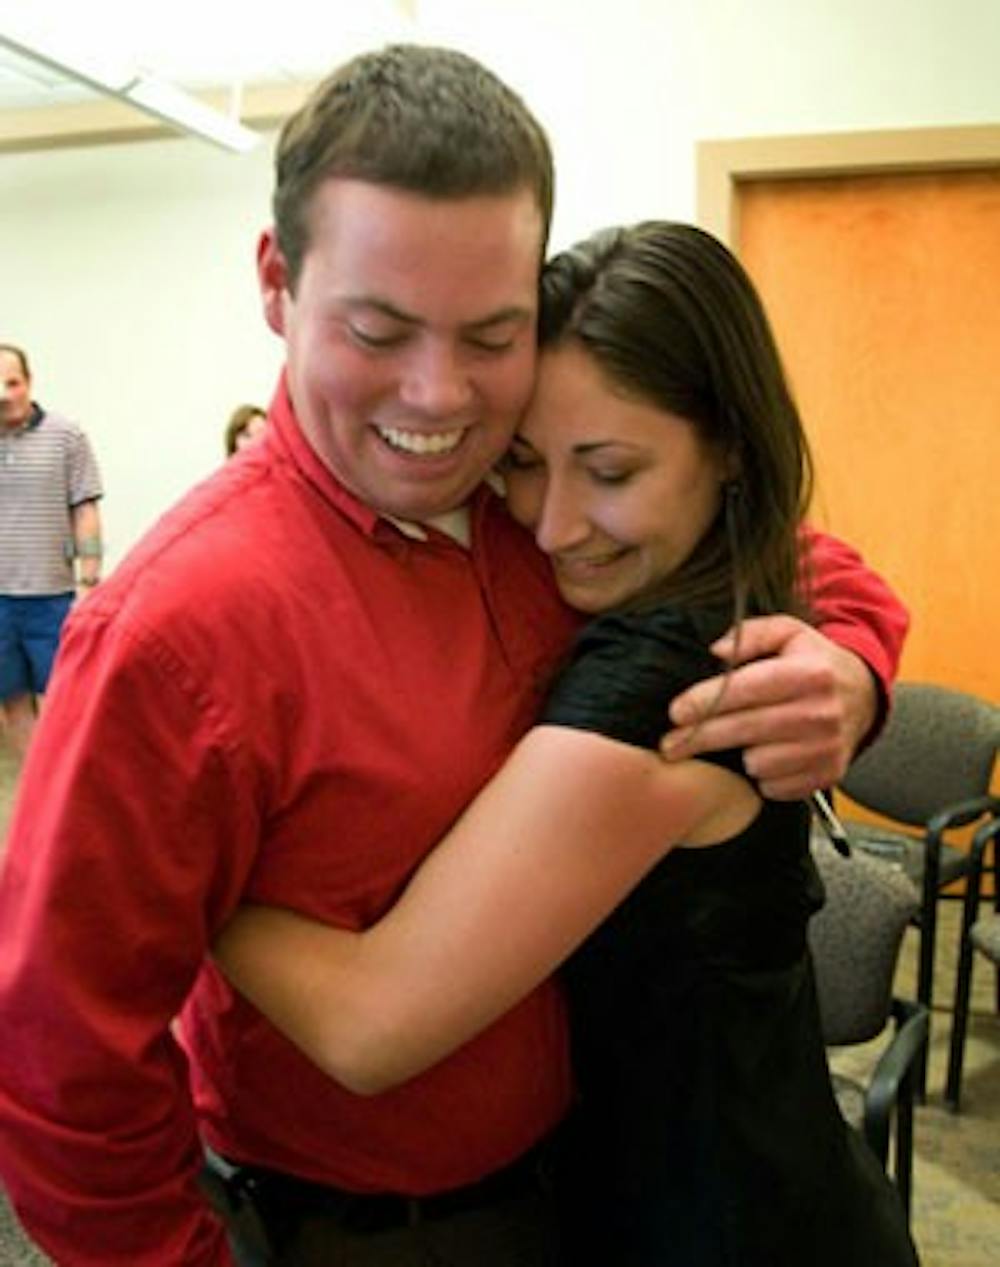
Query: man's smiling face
(410,337)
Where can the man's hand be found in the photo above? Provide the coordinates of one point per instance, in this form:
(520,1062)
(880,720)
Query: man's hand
(798,706)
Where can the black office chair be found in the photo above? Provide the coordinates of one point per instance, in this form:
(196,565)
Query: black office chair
(854,941)
(980,934)
(930,772)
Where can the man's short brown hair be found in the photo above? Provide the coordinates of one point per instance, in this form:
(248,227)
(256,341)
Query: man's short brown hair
(430,121)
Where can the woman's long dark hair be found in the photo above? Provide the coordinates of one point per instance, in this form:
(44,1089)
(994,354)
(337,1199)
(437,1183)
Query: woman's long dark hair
(671,317)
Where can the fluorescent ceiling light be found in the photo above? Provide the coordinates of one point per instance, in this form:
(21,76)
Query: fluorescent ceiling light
(154,96)
(173,105)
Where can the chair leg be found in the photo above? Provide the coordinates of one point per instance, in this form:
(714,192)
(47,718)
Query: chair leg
(959,1025)
(904,1143)
(925,989)
(926,949)
(996,906)
(963,987)
(925,964)
(928,922)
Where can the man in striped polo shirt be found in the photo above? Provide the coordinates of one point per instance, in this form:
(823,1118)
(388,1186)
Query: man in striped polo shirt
(49,488)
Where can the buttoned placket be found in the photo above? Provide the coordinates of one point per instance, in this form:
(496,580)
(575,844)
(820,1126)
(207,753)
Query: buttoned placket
(9,436)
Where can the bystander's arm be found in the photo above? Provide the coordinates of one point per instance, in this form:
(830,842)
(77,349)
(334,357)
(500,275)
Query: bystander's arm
(87,543)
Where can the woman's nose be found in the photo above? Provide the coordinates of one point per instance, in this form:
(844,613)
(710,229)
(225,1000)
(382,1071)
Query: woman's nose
(562,523)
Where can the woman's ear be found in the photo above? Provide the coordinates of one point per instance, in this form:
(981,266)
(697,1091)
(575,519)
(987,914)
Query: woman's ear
(272,277)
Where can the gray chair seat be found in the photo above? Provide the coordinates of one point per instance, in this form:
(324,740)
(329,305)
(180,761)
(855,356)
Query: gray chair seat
(854,940)
(850,1096)
(985,935)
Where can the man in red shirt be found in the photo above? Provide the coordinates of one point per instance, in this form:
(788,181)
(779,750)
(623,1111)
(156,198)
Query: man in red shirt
(289,691)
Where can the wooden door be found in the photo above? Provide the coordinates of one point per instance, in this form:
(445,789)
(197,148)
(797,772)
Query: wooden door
(884,291)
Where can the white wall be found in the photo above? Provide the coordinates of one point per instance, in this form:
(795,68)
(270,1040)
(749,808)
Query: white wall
(127,270)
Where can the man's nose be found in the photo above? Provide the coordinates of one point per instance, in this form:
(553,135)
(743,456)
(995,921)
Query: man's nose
(436,382)
(562,523)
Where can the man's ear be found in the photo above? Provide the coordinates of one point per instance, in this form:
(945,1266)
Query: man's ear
(272,277)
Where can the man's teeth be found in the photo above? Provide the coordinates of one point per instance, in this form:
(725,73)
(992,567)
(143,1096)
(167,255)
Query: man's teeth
(421,442)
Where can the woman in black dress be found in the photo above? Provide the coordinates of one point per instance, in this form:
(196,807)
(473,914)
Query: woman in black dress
(663,468)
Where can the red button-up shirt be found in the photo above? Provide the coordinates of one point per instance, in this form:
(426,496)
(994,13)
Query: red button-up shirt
(282,697)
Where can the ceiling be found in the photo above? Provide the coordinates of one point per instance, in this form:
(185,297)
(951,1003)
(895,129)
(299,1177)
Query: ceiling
(195,44)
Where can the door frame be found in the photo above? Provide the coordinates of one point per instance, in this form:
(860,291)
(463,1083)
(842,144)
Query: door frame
(723,165)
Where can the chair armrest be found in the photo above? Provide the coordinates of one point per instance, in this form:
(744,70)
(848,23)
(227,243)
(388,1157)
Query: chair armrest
(961,814)
(987,834)
(958,815)
(908,1041)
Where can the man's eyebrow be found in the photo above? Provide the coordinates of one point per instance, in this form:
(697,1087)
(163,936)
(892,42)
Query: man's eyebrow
(383,306)
(512,314)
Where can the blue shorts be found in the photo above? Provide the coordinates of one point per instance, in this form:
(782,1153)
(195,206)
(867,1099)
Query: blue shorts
(29,636)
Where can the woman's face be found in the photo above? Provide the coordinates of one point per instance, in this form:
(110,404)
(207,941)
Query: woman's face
(617,491)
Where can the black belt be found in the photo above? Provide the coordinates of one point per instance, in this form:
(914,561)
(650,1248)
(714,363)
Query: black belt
(286,1199)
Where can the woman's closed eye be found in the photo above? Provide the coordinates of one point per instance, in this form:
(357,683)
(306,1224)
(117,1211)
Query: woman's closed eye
(610,477)
(521,459)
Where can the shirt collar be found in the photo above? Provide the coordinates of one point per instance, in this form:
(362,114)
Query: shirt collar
(35,416)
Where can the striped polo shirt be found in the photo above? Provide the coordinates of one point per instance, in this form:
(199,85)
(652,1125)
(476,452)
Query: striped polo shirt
(47,467)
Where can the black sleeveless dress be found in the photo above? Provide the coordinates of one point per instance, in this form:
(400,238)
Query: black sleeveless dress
(706,1133)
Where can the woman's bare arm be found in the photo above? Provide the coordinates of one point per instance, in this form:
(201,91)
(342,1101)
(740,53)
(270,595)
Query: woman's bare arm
(551,845)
